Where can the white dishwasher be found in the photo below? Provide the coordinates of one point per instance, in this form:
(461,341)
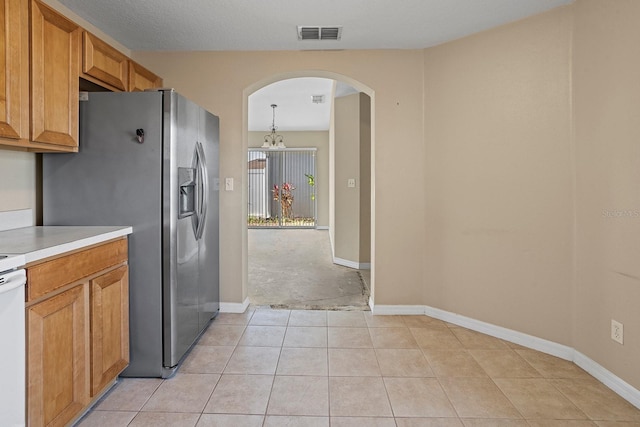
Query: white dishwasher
(12,356)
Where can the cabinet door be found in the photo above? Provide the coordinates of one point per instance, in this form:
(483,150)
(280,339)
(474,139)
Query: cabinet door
(14,72)
(57,358)
(104,64)
(141,79)
(55,51)
(109,301)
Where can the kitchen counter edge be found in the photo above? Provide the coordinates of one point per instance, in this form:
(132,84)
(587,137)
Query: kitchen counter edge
(89,236)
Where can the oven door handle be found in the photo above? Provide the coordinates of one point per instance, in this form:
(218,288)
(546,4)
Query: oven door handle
(12,280)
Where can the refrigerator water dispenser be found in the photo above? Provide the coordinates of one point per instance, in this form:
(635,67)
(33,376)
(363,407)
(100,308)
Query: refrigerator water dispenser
(187,192)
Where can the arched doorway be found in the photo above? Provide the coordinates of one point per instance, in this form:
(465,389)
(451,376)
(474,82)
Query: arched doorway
(337,193)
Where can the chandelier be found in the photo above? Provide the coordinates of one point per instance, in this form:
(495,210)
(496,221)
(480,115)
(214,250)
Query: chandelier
(273,140)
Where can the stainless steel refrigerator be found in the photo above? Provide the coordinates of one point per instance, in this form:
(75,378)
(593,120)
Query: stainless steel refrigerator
(149,160)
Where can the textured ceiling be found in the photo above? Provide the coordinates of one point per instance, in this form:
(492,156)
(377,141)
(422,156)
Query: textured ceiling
(272,24)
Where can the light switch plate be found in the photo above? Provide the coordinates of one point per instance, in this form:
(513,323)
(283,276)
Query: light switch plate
(351,183)
(228,184)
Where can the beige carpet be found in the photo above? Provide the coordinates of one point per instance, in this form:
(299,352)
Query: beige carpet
(292,268)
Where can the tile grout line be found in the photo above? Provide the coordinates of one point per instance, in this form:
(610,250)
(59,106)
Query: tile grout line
(578,407)
(275,371)
(384,383)
(328,371)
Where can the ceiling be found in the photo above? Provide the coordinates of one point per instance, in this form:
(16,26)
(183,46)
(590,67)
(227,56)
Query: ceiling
(244,25)
(295,110)
(272,24)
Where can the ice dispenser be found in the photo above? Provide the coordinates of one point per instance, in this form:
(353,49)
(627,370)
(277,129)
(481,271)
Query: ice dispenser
(186,180)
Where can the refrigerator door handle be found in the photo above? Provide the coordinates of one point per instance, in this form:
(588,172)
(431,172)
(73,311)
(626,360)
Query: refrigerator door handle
(204,190)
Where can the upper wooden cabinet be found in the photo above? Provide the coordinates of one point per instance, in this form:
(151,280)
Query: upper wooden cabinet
(141,79)
(14,69)
(55,52)
(42,57)
(104,65)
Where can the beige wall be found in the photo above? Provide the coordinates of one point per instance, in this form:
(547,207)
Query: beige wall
(498,176)
(346,244)
(352,127)
(221,82)
(607,134)
(18,182)
(365,179)
(332,169)
(299,139)
(532,178)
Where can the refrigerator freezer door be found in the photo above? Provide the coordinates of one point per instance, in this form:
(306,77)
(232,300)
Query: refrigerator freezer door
(115,180)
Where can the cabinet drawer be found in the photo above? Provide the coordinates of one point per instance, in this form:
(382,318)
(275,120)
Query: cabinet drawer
(51,275)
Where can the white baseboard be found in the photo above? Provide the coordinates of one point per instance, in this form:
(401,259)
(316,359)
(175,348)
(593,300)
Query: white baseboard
(352,264)
(526,340)
(346,263)
(404,310)
(234,307)
(615,383)
(608,378)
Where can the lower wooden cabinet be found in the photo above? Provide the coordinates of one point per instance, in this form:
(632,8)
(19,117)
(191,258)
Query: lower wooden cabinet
(57,350)
(109,327)
(77,331)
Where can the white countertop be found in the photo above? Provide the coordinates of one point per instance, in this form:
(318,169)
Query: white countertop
(36,243)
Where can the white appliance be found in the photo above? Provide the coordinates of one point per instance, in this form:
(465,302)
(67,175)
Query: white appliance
(12,336)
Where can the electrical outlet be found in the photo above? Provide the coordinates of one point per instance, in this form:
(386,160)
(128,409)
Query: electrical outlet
(617,331)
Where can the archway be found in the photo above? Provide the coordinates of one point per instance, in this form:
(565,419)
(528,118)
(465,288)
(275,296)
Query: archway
(360,87)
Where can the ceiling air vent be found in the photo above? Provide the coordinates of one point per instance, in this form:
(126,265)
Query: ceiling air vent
(319,33)
(317,99)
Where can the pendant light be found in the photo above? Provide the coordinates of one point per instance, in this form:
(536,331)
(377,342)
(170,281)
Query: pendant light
(273,140)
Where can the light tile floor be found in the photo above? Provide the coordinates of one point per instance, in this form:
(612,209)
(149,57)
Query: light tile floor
(339,368)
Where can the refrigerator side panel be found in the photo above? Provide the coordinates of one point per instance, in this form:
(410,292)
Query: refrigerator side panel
(115,180)
(209,286)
